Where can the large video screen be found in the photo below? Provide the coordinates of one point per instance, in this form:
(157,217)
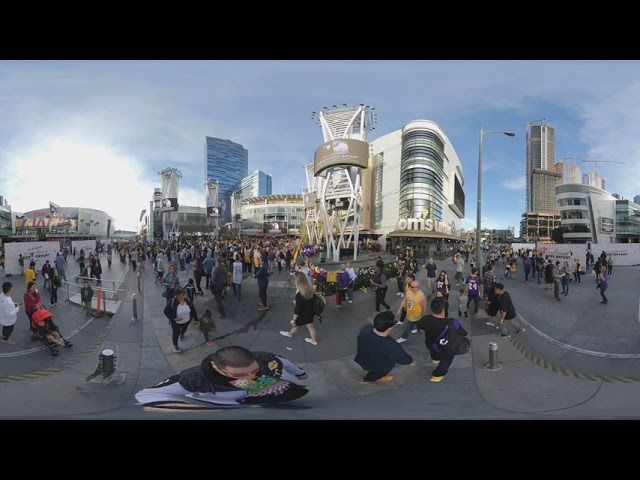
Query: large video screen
(275,224)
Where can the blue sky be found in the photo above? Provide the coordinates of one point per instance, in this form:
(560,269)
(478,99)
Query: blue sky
(96,133)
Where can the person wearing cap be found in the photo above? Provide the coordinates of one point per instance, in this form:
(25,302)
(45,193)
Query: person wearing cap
(377,352)
(46,275)
(507,312)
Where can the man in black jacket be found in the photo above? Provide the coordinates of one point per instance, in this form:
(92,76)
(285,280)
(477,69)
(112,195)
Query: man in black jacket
(378,353)
(433,326)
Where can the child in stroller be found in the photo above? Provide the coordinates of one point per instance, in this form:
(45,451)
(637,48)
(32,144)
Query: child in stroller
(46,331)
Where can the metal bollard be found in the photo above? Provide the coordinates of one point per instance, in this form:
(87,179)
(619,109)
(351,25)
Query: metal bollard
(493,357)
(134,297)
(107,362)
(139,282)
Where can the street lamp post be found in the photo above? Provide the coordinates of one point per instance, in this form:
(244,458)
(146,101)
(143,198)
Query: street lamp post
(479,262)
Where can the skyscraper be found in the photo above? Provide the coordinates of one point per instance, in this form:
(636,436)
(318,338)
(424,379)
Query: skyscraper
(227,163)
(255,184)
(541,210)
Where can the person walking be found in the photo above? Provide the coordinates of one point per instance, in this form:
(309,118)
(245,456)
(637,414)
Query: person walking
(377,352)
(603,278)
(170,282)
(262,275)
(180,311)
(352,280)
(109,259)
(30,274)
(61,265)
(8,313)
(342,284)
(86,294)
(55,284)
(432,273)
(414,303)
(566,278)
(576,273)
(97,271)
(219,284)
(379,283)
(473,290)
(207,326)
(198,273)
(558,273)
(32,300)
(236,279)
(303,313)
(507,312)
(208,264)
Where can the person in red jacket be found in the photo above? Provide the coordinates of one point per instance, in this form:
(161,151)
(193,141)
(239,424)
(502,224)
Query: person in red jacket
(32,300)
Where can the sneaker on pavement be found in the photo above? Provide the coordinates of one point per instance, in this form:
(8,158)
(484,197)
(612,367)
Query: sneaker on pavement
(285,334)
(399,322)
(308,340)
(209,344)
(490,324)
(437,379)
(415,330)
(435,362)
(350,301)
(263,309)
(398,294)
(176,349)
(402,295)
(385,379)
(401,340)
(519,331)
(505,336)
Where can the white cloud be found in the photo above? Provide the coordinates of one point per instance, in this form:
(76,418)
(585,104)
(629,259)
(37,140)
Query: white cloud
(517,183)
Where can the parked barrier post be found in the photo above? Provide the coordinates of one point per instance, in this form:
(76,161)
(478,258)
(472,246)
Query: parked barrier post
(134,297)
(493,357)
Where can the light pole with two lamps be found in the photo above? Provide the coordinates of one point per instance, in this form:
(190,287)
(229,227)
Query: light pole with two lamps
(479,262)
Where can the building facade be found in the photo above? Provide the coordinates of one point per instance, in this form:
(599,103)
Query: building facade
(227,163)
(272,215)
(540,155)
(256,184)
(627,223)
(417,195)
(588,214)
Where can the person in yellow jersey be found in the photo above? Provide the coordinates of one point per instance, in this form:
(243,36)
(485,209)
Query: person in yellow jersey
(415,304)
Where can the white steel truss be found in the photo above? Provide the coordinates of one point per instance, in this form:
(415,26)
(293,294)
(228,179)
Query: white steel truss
(340,188)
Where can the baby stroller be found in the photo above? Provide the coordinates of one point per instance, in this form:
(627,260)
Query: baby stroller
(47,332)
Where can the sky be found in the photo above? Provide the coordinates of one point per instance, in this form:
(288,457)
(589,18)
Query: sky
(95,134)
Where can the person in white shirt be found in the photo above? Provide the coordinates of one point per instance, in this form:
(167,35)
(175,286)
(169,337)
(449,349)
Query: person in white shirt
(236,281)
(8,313)
(352,275)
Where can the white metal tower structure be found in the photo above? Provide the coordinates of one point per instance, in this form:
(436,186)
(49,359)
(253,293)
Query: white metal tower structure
(311,202)
(170,181)
(236,217)
(338,173)
(212,189)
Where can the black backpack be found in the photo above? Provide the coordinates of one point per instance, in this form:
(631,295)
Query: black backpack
(319,302)
(453,339)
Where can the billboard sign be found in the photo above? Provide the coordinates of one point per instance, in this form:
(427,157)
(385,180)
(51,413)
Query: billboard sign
(169,205)
(310,200)
(213,212)
(342,152)
(606,225)
(38,252)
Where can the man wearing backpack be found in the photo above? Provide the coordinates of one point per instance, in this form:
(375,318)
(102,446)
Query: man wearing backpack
(433,326)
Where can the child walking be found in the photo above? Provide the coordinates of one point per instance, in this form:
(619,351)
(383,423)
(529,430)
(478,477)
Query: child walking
(463,300)
(207,326)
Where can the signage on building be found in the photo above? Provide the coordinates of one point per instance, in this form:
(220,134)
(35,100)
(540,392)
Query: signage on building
(48,214)
(606,225)
(341,152)
(426,225)
(310,200)
(169,205)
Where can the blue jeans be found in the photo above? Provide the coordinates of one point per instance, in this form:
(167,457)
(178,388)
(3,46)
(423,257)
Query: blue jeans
(408,326)
(565,284)
(237,289)
(62,274)
(604,298)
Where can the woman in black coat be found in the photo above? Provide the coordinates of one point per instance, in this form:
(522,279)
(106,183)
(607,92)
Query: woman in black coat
(180,311)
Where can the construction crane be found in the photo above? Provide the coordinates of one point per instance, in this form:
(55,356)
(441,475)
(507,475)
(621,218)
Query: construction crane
(599,161)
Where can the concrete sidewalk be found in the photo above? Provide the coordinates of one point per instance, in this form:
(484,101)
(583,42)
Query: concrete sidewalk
(533,382)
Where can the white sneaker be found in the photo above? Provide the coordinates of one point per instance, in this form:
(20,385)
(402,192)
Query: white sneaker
(308,340)
(401,340)
(415,330)
(176,349)
(350,301)
(285,334)
(489,324)
(401,295)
